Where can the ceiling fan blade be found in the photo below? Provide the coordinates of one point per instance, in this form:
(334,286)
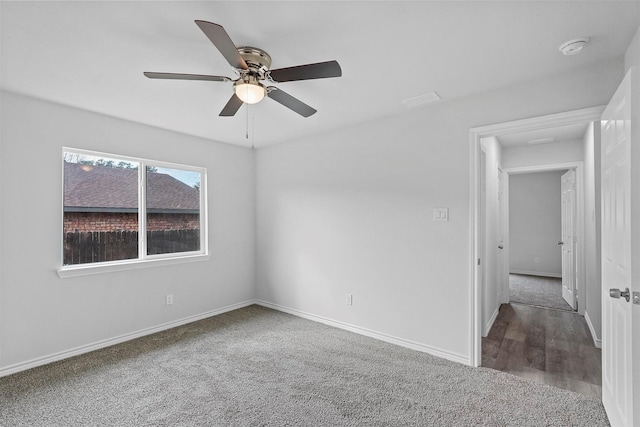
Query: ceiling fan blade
(233,105)
(223,42)
(319,70)
(179,76)
(290,102)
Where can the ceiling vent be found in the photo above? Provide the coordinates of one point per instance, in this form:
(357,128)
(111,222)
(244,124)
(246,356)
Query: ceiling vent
(573,46)
(541,141)
(421,99)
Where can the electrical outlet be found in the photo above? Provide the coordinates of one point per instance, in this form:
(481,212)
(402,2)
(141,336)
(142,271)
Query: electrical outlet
(349,299)
(537,260)
(169,299)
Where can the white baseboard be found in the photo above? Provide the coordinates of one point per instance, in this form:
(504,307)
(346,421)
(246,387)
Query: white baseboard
(445,354)
(596,341)
(23,366)
(40,361)
(536,273)
(489,324)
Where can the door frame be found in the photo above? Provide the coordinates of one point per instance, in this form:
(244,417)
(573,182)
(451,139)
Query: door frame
(475,136)
(482,219)
(503,228)
(578,167)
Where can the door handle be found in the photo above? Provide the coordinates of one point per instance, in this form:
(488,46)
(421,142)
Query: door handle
(617,293)
(500,247)
(560,242)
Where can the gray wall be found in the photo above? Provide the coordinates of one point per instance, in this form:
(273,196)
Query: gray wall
(535,223)
(42,315)
(351,211)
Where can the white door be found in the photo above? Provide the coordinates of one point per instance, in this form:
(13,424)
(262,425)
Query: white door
(568,241)
(617,374)
(502,291)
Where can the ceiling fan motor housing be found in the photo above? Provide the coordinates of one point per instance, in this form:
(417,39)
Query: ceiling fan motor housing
(248,79)
(257,60)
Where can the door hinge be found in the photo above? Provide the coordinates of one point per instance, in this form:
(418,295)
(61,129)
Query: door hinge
(478,261)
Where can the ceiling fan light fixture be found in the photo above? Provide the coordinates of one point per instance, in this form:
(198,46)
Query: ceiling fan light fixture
(250,93)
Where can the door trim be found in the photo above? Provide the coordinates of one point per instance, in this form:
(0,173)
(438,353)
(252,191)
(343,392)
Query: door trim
(578,167)
(475,135)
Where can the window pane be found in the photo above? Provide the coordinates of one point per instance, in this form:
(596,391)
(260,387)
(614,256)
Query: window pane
(173,210)
(100,209)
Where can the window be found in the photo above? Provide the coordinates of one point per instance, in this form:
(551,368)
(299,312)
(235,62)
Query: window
(121,210)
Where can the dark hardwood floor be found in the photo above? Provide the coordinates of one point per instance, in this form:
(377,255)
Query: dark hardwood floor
(544,345)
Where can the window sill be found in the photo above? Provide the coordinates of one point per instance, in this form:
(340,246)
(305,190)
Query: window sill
(88,269)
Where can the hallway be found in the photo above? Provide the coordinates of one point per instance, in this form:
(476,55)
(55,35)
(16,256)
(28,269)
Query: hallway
(537,290)
(544,345)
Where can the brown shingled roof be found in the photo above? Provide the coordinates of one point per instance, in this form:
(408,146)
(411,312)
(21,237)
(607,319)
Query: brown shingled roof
(90,187)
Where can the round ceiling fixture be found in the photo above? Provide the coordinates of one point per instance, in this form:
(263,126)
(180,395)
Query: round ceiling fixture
(573,46)
(249,91)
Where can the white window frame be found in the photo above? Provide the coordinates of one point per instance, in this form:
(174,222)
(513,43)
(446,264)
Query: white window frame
(143,259)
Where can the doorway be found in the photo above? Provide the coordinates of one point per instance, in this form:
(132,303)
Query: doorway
(526,340)
(477,243)
(542,214)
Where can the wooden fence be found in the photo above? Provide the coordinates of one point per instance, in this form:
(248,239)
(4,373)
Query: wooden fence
(101,246)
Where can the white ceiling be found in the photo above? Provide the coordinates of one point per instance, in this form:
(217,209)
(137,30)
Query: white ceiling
(91,55)
(558,133)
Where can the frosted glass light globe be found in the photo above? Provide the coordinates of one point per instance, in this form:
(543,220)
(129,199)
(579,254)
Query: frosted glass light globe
(250,93)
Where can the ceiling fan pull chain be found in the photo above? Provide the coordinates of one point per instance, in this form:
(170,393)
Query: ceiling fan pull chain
(247,134)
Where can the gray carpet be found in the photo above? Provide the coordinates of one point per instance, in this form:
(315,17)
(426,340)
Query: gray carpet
(258,367)
(537,290)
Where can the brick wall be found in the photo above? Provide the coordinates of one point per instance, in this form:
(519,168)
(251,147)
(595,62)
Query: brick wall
(107,221)
(157,222)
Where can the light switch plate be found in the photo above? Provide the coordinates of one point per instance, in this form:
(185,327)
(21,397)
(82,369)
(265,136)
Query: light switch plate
(441,214)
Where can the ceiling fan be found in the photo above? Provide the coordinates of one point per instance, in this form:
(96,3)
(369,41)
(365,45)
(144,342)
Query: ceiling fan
(252,66)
